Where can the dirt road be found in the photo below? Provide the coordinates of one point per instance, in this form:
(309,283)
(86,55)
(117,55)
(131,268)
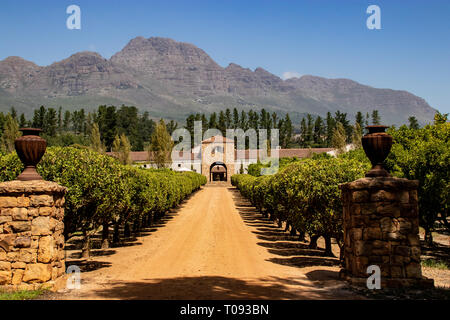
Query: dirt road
(215,246)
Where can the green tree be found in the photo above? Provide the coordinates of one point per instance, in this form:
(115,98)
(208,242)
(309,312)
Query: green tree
(13,113)
(236,123)
(342,118)
(375,117)
(23,121)
(330,128)
(125,149)
(339,138)
(96,141)
(309,130)
(424,154)
(222,126)
(66,121)
(10,134)
(39,117)
(205,125)
(50,122)
(212,121)
(127,122)
(60,120)
(244,121)
(107,123)
(161,146)
(359,119)
(413,123)
(303,132)
(357,136)
(121,147)
(79,121)
(116,145)
(318,131)
(265,120)
(171,126)
(440,118)
(228,121)
(287,131)
(274,120)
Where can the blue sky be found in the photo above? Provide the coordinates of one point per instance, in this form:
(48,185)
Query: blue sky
(325,38)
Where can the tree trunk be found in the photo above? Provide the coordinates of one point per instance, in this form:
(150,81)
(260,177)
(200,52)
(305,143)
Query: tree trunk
(313,241)
(271,216)
(288,224)
(341,255)
(116,234)
(428,237)
(328,250)
(144,222)
(445,221)
(301,236)
(86,247)
(136,227)
(105,236)
(152,218)
(280,223)
(126,230)
(293,231)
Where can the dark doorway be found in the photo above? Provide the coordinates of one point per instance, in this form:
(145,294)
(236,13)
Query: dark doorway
(218,172)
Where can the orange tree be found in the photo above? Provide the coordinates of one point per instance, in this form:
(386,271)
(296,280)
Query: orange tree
(103,192)
(305,194)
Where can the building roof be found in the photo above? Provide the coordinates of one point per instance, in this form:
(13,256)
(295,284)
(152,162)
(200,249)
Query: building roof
(218,139)
(143,156)
(282,153)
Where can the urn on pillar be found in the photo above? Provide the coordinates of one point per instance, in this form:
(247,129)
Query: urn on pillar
(30,148)
(377,145)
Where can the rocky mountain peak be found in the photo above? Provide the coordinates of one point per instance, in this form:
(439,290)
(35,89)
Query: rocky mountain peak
(172,79)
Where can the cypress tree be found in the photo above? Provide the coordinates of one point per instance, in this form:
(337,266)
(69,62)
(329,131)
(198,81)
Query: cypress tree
(375,117)
(330,128)
(161,145)
(10,134)
(96,142)
(339,138)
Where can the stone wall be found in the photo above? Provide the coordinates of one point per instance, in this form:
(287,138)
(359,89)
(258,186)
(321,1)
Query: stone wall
(381,227)
(31,234)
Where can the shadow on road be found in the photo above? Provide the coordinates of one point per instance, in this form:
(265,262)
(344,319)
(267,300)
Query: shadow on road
(290,250)
(212,288)
(73,246)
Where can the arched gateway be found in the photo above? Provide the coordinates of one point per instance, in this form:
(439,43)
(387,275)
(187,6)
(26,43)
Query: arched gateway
(218,158)
(218,171)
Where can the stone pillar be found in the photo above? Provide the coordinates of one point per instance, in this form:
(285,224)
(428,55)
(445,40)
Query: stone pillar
(381,227)
(31,235)
(230,171)
(206,173)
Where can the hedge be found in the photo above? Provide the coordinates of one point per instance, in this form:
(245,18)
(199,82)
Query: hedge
(101,191)
(304,194)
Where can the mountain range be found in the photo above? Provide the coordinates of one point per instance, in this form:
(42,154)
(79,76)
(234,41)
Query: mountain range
(173,79)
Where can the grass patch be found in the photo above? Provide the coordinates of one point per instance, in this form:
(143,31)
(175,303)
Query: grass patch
(403,293)
(21,295)
(432,263)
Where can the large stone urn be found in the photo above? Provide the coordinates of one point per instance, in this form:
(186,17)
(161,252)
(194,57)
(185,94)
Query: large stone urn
(377,145)
(30,148)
